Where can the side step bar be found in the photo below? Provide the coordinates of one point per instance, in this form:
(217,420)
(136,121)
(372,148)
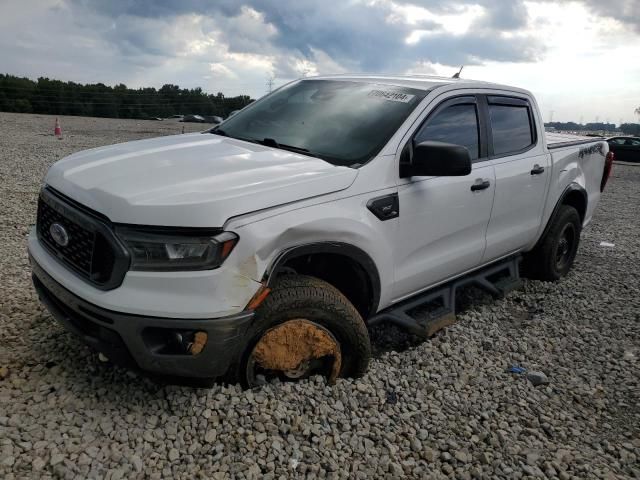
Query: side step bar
(435,309)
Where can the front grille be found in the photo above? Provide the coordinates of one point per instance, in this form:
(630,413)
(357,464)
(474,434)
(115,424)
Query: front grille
(79,252)
(92,251)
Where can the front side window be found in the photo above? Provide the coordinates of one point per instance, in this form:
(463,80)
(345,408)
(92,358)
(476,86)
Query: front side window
(343,122)
(510,128)
(457,124)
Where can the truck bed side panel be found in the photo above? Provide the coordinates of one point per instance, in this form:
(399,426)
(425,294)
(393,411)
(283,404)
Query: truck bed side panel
(582,164)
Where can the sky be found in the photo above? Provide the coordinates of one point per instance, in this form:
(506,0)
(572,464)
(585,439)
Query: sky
(580,58)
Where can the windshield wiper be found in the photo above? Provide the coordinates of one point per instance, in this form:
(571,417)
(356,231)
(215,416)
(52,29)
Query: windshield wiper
(270,142)
(218,131)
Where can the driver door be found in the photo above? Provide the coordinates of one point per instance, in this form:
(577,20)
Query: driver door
(443,220)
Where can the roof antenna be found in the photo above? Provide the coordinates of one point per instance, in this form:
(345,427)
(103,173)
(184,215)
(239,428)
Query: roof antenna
(457,75)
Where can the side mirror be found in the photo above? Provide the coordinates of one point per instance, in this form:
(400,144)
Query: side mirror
(438,159)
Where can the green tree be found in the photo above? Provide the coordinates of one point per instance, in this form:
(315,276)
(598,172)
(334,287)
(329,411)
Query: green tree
(69,98)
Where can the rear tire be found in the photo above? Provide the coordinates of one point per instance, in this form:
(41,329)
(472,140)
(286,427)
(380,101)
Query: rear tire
(553,257)
(318,303)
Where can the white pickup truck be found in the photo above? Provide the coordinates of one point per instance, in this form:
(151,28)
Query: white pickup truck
(267,245)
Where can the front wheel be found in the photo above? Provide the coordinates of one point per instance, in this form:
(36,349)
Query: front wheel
(305,327)
(553,257)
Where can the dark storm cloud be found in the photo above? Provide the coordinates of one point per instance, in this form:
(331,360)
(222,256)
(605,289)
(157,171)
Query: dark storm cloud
(625,11)
(358,36)
(505,16)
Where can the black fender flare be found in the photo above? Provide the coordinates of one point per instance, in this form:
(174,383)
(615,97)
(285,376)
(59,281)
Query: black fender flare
(356,254)
(572,187)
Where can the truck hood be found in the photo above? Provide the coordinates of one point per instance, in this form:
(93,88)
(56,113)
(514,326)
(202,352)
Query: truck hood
(193,180)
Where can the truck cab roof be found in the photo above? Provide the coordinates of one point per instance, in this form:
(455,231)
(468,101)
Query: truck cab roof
(420,82)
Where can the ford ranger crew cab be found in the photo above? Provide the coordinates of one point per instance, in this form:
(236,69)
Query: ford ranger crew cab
(265,247)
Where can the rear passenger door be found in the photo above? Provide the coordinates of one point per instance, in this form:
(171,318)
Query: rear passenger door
(522,170)
(443,220)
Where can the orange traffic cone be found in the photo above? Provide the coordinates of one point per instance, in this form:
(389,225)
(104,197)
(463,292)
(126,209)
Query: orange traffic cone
(57,131)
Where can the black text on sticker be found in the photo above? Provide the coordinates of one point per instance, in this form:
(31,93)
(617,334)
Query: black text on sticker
(393,96)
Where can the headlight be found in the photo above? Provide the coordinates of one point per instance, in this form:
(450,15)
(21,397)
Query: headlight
(154,250)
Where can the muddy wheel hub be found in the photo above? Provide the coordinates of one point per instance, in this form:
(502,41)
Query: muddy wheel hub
(295,349)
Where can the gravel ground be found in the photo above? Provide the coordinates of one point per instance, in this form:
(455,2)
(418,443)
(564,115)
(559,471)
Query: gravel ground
(446,407)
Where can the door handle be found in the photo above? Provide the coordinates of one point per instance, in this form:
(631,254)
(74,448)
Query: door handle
(480,185)
(537,170)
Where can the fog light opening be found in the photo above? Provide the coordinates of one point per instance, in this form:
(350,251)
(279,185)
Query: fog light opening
(199,342)
(166,341)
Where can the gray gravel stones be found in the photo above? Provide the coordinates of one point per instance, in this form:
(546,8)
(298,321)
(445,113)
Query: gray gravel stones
(537,378)
(442,408)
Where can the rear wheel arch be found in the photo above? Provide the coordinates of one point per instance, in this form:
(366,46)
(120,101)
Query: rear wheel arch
(573,195)
(348,268)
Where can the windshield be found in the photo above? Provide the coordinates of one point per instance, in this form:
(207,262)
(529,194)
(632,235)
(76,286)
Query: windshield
(345,123)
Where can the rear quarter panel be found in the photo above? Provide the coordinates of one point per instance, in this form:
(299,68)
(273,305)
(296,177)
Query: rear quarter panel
(580,164)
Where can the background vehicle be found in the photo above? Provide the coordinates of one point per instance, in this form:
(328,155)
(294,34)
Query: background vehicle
(626,149)
(193,119)
(266,247)
(213,119)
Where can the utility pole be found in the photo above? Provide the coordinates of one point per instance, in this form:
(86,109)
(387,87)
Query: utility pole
(270,81)
(551,115)
(581,119)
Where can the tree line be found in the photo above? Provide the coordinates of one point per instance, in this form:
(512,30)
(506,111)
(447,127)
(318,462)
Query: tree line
(626,128)
(98,100)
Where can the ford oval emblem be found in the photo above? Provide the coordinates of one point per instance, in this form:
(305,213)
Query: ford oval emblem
(59,234)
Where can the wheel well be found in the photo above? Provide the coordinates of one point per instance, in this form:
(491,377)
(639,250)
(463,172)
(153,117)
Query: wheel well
(342,271)
(577,200)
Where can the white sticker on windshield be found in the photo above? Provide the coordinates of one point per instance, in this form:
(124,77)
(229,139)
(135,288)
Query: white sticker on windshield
(393,96)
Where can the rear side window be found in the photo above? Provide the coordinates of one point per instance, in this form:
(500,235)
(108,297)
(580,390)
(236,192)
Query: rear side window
(510,127)
(457,124)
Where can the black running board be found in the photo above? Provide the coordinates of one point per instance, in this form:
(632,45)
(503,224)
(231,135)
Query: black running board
(435,309)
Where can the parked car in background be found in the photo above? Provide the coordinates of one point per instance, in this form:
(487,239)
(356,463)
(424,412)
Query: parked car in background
(213,119)
(176,116)
(626,149)
(193,119)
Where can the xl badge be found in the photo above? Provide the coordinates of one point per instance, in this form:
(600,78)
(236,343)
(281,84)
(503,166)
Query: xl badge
(59,234)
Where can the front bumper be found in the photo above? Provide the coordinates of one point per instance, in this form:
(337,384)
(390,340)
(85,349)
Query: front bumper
(129,340)
(213,293)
